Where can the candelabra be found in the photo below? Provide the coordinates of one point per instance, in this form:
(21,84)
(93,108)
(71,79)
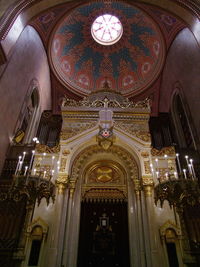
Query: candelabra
(30,188)
(27,184)
(180,188)
(178,192)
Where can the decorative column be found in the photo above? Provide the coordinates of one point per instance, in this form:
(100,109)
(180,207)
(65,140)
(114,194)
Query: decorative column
(58,225)
(150,212)
(75,223)
(134,234)
(63,192)
(68,235)
(140,226)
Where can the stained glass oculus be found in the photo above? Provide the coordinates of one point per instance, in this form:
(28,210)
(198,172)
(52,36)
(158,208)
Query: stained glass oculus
(106,29)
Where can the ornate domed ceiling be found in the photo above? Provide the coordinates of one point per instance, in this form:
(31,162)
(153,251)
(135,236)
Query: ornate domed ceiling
(130,65)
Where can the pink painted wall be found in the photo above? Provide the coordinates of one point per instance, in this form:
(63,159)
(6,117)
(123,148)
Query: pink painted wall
(183,67)
(28,61)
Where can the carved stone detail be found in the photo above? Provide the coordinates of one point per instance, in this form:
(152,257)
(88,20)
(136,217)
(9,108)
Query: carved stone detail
(113,103)
(104,193)
(46,149)
(169,225)
(148,190)
(73,129)
(104,173)
(63,164)
(147,180)
(170,151)
(145,154)
(147,167)
(38,222)
(130,128)
(124,155)
(62,183)
(62,178)
(65,152)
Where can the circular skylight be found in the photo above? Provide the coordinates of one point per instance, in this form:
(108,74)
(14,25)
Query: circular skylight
(106,29)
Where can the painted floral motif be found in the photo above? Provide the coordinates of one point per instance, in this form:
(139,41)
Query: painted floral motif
(130,65)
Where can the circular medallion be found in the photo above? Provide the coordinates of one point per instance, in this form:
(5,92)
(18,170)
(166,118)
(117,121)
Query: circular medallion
(106,29)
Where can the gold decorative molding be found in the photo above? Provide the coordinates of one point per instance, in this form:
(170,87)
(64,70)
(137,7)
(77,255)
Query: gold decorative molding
(76,128)
(137,186)
(105,142)
(148,190)
(145,154)
(144,135)
(169,151)
(61,187)
(46,149)
(72,185)
(111,103)
(129,161)
(65,152)
(147,180)
(98,194)
(62,183)
(104,173)
(63,178)
(63,164)
(38,222)
(147,168)
(169,225)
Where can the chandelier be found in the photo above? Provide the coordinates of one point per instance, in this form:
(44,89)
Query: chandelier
(179,189)
(28,187)
(27,184)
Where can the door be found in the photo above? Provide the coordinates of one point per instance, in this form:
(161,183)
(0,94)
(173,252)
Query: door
(103,239)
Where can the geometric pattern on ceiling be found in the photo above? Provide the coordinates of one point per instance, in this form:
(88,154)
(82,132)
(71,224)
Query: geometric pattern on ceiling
(130,66)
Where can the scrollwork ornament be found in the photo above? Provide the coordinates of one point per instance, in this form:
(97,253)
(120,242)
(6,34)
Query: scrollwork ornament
(40,148)
(111,103)
(75,129)
(170,151)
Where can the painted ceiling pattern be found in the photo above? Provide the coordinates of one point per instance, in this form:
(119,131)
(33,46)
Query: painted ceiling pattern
(129,66)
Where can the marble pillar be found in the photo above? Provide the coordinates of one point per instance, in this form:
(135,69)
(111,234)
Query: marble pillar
(62,229)
(53,251)
(152,229)
(134,234)
(140,229)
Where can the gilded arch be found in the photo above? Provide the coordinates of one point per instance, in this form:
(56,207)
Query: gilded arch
(116,153)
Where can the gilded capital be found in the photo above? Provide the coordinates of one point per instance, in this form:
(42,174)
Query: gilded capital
(148,190)
(72,184)
(137,186)
(62,183)
(147,180)
(71,192)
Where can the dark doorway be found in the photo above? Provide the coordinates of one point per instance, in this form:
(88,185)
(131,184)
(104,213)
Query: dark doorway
(172,256)
(103,239)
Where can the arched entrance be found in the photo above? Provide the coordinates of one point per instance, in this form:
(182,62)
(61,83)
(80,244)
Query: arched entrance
(103,237)
(103,229)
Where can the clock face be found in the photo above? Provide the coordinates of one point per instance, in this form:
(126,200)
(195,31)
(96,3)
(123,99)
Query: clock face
(105,133)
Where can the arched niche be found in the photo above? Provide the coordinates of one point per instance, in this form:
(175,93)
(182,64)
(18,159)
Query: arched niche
(28,119)
(96,153)
(182,120)
(119,182)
